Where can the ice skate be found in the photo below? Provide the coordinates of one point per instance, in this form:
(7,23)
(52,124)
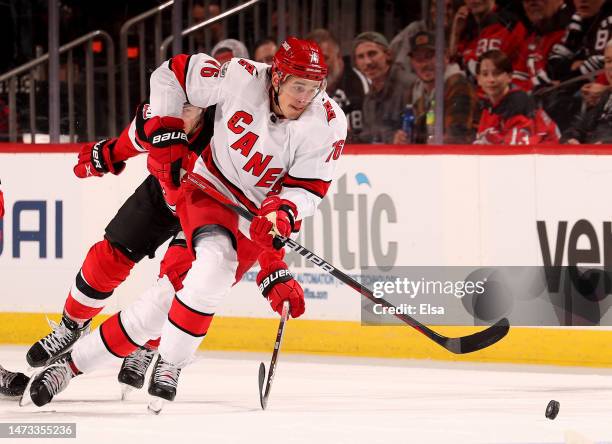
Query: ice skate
(52,380)
(60,340)
(133,370)
(162,385)
(12,384)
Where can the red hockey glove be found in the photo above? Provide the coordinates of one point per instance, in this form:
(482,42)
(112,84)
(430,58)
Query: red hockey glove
(276,283)
(168,145)
(276,215)
(95,159)
(1,205)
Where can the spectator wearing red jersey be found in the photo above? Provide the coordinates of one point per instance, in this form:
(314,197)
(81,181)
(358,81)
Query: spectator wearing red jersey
(594,125)
(480,26)
(509,115)
(547,20)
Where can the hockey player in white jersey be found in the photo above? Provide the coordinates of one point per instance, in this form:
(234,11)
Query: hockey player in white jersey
(277,137)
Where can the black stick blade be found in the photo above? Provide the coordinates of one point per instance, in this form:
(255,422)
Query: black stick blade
(262,378)
(479,340)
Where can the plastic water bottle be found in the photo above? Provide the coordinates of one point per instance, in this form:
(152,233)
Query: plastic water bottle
(430,122)
(408,118)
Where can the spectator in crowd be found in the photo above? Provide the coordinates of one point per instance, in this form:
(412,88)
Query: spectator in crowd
(227,49)
(459,96)
(509,116)
(547,22)
(400,45)
(579,53)
(479,26)
(264,50)
(389,85)
(581,50)
(594,125)
(345,84)
(212,34)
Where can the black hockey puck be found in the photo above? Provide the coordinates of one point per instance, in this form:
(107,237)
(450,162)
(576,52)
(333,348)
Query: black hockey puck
(552,409)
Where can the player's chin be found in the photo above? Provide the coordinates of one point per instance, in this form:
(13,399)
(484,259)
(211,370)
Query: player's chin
(295,111)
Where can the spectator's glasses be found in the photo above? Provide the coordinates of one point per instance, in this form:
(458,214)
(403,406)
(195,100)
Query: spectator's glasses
(301,91)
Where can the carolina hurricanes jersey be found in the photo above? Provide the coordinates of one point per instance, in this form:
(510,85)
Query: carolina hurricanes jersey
(253,152)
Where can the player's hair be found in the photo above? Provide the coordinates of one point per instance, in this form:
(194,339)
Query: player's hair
(499,59)
(320,35)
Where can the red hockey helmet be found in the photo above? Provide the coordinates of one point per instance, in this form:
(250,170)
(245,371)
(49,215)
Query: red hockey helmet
(301,58)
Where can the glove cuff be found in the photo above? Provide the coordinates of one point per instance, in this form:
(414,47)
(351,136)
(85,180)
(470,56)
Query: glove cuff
(274,273)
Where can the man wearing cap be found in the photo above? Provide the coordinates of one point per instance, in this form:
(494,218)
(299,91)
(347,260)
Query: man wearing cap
(459,96)
(389,85)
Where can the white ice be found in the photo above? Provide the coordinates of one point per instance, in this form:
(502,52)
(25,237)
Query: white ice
(318,399)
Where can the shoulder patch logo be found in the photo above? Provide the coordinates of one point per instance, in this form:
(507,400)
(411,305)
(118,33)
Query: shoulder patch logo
(331,114)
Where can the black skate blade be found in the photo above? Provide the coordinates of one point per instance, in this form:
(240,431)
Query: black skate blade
(262,378)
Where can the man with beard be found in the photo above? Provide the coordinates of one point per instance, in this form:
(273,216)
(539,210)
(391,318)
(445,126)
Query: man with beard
(346,85)
(389,85)
(459,96)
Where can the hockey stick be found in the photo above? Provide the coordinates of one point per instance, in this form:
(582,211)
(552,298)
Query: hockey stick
(460,345)
(263,396)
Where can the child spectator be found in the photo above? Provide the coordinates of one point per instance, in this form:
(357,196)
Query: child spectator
(509,115)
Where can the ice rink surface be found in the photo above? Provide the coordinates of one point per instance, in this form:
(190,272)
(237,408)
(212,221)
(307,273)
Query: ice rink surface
(318,400)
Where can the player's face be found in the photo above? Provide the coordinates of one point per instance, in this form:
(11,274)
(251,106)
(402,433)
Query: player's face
(372,60)
(265,53)
(608,63)
(539,10)
(295,94)
(494,83)
(480,7)
(191,117)
(424,64)
(587,8)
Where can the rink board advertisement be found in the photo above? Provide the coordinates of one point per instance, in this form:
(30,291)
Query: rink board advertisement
(394,208)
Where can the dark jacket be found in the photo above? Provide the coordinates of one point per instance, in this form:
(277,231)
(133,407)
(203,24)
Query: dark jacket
(594,125)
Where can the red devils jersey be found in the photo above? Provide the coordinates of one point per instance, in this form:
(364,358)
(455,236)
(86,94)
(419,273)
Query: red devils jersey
(253,152)
(496,31)
(530,63)
(515,121)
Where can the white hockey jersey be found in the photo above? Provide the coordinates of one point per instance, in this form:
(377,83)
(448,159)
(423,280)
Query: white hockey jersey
(253,153)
